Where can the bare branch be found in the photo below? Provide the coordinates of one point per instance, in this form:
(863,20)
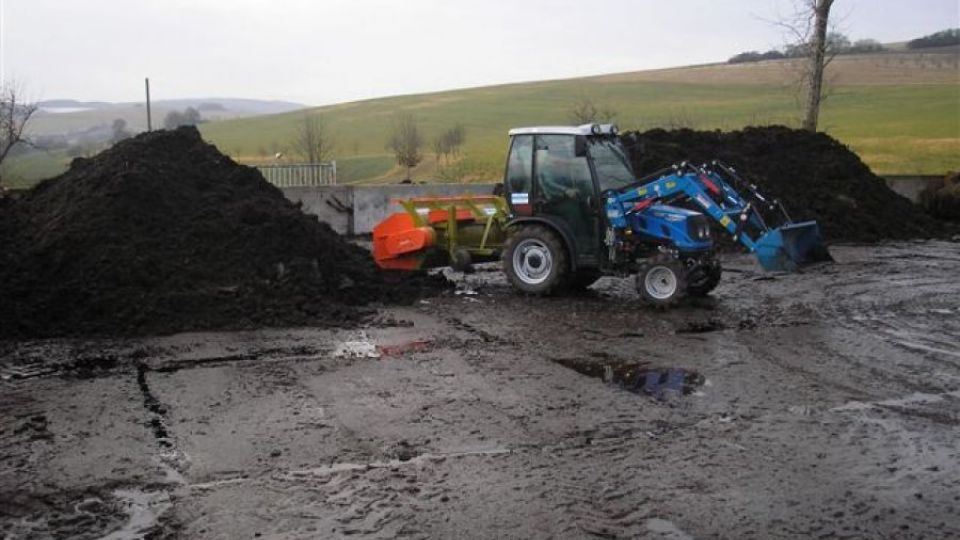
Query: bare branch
(314,141)
(585,111)
(808,27)
(14,117)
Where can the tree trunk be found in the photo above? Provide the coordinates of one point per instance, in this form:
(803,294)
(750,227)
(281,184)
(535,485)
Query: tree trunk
(818,52)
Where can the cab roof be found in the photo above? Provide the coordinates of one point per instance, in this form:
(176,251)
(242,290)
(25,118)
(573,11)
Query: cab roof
(585,129)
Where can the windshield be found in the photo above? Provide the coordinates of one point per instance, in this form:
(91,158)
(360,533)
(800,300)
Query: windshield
(613,168)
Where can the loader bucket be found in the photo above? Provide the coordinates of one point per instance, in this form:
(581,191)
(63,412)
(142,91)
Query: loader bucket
(791,246)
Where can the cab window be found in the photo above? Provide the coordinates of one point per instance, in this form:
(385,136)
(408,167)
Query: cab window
(520,164)
(560,173)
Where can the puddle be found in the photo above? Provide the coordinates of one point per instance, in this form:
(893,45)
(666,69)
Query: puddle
(638,377)
(156,409)
(407,460)
(701,327)
(122,514)
(666,529)
(400,349)
(143,511)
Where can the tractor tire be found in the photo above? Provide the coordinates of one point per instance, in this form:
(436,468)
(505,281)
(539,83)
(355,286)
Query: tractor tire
(706,281)
(535,260)
(582,280)
(662,281)
(461,261)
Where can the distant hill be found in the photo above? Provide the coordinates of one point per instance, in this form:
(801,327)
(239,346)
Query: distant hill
(67,116)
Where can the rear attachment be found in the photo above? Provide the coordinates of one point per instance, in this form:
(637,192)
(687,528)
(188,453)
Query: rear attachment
(441,231)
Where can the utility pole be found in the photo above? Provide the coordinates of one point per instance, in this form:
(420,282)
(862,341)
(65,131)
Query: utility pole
(149,124)
(2,72)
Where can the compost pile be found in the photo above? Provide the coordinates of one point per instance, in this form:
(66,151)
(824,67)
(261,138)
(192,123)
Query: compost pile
(943,202)
(815,176)
(163,233)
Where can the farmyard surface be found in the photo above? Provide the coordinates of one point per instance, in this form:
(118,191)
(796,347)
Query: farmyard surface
(827,405)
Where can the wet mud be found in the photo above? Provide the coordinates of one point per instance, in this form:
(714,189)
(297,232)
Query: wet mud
(818,404)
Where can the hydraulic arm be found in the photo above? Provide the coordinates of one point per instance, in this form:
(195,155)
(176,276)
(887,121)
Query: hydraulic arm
(784,247)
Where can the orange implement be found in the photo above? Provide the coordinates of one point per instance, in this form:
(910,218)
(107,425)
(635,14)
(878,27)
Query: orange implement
(398,236)
(437,231)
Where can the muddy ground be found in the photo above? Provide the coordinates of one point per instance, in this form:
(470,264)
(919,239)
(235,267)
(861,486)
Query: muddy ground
(817,405)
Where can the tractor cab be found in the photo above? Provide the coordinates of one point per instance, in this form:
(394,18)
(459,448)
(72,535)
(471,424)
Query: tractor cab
(558,175)
(555,175)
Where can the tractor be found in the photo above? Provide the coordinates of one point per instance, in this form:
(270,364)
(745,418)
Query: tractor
(570,210)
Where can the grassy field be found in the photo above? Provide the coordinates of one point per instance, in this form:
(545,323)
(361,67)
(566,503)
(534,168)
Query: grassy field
(899,111)
(900,129)
(23,172)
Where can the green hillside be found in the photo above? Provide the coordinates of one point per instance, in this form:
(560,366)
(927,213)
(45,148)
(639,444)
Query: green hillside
(899,111)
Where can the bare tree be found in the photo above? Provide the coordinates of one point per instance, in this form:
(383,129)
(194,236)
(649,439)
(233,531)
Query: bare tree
(585,111)
(189,117)
(314,141)
(448,143)
(808,27)
(14,116)
(118,131)
(439,148)
(818,62)
(406,141)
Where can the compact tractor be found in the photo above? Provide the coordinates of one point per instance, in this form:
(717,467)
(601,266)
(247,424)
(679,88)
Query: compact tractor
(571,209)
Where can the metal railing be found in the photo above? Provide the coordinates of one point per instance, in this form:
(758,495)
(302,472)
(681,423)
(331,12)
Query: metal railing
(300,174)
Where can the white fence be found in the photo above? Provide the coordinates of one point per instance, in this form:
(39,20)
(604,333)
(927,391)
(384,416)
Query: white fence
(300,174)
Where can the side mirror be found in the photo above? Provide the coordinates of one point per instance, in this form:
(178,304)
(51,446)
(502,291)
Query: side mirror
(580,146)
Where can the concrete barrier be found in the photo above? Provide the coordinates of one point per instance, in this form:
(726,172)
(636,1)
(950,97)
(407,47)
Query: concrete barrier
(355,210)
(911,186)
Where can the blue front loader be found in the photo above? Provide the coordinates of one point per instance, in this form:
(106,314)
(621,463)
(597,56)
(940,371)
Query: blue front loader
(646,208)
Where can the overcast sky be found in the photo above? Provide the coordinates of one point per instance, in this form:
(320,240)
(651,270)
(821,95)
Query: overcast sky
(328,51)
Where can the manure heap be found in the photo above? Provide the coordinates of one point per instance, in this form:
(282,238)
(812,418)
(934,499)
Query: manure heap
(815,176)
(163,233)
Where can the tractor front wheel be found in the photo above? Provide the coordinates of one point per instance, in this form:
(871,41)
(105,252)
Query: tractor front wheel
(662,281)
(535,260)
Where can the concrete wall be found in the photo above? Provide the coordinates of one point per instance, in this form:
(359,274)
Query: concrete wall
(354,210)
(910,186)
(329,203)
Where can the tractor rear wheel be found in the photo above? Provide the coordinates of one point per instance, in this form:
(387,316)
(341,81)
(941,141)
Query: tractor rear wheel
(662,280)
(535,260)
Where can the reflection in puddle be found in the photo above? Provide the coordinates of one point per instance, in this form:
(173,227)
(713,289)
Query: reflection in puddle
(638,377)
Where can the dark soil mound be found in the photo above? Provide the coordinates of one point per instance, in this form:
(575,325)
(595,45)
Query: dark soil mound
(814,175)
(944,201)
(163,233)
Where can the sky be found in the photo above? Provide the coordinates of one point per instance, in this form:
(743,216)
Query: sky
(320,52)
